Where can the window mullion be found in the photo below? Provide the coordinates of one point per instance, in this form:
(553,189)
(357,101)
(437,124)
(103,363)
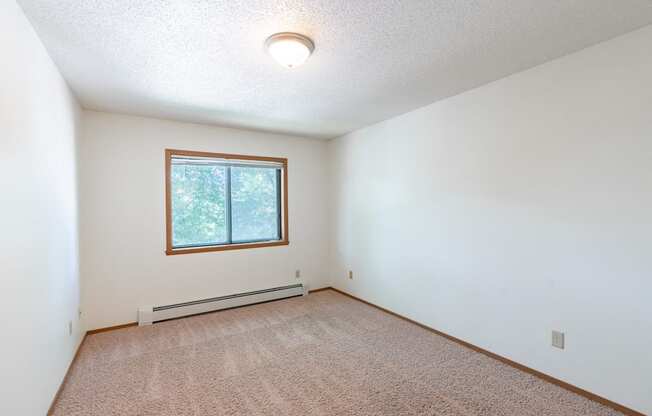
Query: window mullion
(229,216)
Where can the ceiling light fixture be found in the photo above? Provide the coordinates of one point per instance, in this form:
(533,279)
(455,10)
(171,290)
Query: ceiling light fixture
(289,49)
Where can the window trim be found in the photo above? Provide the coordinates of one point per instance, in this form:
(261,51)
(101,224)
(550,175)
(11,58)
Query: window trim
(169,250)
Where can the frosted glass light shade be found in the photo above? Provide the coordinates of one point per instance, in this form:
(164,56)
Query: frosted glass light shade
(289,49)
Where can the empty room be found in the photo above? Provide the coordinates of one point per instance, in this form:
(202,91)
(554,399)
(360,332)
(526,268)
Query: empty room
(329,207)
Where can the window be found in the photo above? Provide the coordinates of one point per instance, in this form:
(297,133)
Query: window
(217,201)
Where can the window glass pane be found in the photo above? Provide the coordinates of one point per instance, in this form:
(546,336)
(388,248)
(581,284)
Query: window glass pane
(254,204)
(198,204)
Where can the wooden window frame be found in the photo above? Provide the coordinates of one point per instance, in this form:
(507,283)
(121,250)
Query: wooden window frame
(169,250)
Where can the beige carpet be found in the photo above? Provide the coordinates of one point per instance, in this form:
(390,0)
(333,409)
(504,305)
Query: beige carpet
(324,354)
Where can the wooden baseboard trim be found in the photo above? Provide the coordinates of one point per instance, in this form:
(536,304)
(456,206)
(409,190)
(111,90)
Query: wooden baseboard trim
(111,328)
(65,377)
(321,289)
(591,396)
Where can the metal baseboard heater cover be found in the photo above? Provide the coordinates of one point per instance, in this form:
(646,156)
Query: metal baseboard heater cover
(150,314)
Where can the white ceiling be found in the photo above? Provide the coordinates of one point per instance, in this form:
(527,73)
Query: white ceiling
(203,60)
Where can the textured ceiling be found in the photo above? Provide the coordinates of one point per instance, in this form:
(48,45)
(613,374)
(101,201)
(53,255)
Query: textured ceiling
(203,61)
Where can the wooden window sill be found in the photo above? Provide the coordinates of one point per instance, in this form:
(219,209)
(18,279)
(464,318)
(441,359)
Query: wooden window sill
(172,252)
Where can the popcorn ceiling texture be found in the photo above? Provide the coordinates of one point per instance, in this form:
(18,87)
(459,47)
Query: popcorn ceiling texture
(203,61)
(324,354)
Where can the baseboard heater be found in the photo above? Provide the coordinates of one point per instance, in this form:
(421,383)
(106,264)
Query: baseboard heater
(150,314)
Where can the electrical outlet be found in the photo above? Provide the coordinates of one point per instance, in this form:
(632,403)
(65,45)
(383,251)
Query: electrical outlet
(558,339)
(297,274)
(69,327)
(351,274)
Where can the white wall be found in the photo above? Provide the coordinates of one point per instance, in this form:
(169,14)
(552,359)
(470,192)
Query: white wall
(39,271)
(514,209)
(122,187)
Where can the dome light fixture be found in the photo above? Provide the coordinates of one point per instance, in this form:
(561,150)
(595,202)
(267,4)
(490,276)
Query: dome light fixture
(289,49)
